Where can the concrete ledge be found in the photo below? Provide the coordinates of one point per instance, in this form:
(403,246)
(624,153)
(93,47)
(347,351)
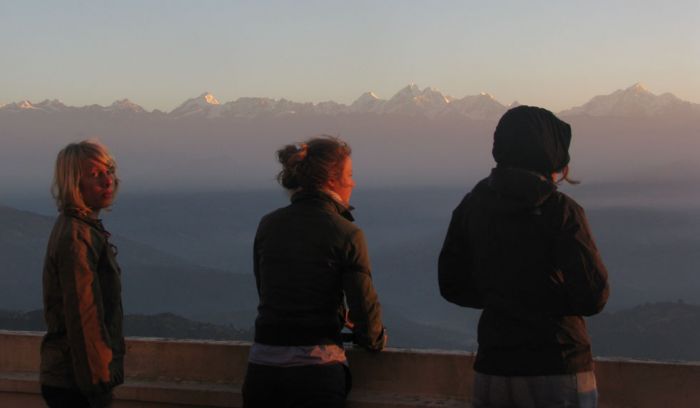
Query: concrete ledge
(624,383)
(180,394)
(20,383)
(187,374)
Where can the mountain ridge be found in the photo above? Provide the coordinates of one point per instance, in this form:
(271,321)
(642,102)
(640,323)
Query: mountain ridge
(634,101)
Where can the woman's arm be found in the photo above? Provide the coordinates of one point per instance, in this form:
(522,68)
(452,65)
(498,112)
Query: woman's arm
(364,309)
(454,265)
(584,276)
(91,352)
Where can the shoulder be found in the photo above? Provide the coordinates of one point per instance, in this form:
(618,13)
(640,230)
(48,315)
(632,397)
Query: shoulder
(69,231)
(566,203)
(343,224)
(478,192)
(566,209)
(271,216)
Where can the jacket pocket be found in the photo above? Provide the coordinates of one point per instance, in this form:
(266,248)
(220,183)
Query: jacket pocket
(56,359)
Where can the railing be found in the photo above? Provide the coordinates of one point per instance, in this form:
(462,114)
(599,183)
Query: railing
(187,374)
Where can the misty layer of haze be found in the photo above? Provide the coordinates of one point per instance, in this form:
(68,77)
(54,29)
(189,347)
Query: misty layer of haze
(194,187)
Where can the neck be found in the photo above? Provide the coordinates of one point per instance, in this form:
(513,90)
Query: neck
(336,197)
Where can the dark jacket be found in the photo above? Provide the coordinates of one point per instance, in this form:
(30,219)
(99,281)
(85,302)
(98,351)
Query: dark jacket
(308,257)
(523,252)
(84,346)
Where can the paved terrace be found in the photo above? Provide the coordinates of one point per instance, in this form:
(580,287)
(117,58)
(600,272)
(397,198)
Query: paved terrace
(186,374)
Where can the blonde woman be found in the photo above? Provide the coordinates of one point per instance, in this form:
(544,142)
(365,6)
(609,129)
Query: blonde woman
(82,351)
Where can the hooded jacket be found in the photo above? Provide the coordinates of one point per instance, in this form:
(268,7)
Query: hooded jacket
(309,260)
(523,252)
(528,137)
(84,345)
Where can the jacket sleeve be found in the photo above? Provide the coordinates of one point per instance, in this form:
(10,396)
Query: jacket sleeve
(455,277)
(256,264)
(583,275)
(364,309)
(89,342)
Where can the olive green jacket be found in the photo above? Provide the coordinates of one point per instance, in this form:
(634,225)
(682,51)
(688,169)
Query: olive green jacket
(84,344)
(309,261)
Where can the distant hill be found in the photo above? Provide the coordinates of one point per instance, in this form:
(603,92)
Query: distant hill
(156,282)
(153,281)
(402,333)
(163,325)
(657,331)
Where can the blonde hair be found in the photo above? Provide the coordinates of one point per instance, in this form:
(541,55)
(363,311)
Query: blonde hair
(65,188)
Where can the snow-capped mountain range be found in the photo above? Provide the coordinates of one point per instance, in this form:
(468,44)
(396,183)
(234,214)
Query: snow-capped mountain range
(634,101)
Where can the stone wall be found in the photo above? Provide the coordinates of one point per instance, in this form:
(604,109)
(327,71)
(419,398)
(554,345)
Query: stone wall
(183,374)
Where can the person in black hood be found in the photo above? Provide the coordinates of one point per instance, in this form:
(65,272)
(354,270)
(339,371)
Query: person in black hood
(523,253)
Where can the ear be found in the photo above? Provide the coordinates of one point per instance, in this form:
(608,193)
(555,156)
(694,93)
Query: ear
(331,183)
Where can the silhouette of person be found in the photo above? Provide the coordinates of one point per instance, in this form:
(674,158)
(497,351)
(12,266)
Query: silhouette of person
(83,349)
(523,252)
(312,272)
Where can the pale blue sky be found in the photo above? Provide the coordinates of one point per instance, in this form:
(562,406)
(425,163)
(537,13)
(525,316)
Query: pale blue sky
(159,53)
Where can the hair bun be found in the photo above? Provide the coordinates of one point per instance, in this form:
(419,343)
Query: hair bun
(309,165)
(302,151)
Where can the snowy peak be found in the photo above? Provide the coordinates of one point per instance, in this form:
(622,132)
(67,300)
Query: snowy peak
(49,106)
(53,105)
(481,106)
(205,105)
(411,100)
(635,101)
(433,96)
(366,103)
(408,92)
(209,98)
(250,107)
(125,105)
(26,105)
(19,106)
(637,88)
(367,97)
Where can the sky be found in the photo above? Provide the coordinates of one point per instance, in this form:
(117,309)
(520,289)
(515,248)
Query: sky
(160,53)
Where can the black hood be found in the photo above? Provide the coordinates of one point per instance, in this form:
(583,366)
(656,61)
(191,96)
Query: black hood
(516,190)
(532,138)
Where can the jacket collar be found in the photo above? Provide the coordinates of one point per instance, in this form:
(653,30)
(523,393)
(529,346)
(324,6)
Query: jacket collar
(93,222)
(327,200)
(517,189)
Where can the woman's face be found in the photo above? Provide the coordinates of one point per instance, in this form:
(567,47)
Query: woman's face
(97,185)
(344,184)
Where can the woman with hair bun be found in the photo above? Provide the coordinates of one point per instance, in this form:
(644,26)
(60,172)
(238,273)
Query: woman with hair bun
(523,252)
(313,278)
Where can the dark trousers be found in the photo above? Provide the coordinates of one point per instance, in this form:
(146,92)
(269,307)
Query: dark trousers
(57,397)
(545,391)
(63,397)
(314,386)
